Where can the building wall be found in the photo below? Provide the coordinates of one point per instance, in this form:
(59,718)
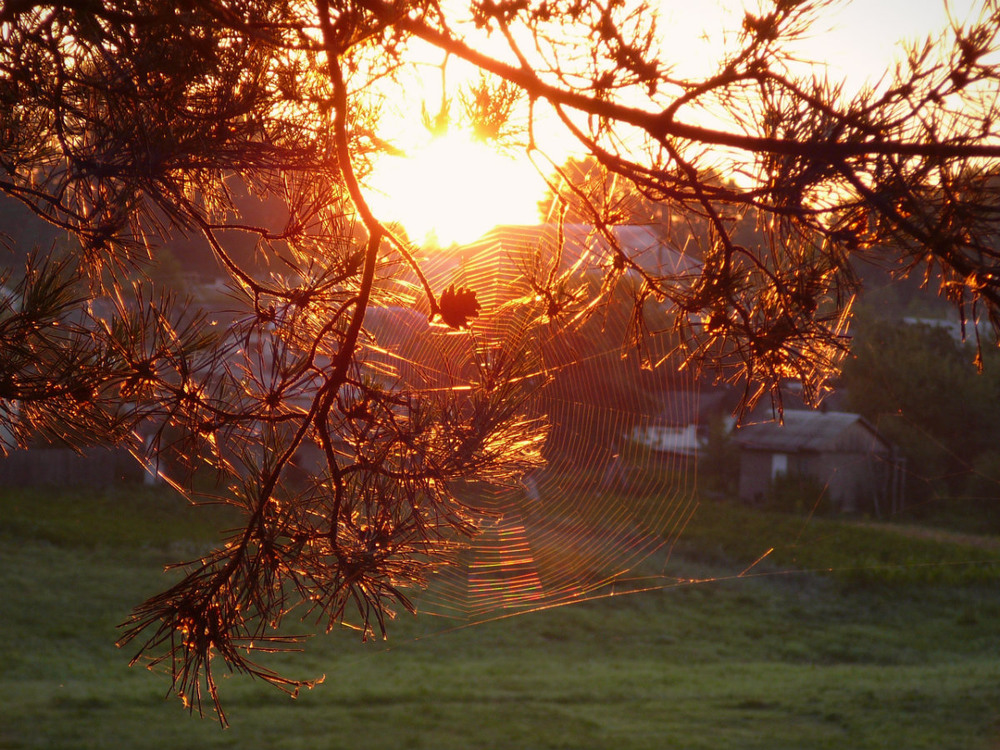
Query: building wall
(854,481)
(843,475)
(855,468)
(755,475)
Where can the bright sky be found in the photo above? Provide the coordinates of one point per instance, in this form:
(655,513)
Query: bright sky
(453,189)
(864,35)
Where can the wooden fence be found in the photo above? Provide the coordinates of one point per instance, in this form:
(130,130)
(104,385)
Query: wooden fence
(95,467)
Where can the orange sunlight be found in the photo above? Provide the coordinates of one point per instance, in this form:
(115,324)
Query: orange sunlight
(453,188)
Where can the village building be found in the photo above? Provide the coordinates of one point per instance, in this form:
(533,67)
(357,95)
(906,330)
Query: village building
(858,467)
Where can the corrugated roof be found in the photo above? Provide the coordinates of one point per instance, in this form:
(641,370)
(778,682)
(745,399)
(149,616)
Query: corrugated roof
(801,431)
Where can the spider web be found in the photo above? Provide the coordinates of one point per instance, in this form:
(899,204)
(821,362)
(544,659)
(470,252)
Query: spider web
(617,484)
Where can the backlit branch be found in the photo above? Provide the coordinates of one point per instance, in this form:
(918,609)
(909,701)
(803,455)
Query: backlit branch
(249,128)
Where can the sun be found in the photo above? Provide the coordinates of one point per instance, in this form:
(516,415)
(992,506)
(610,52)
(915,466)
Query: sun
(453,188)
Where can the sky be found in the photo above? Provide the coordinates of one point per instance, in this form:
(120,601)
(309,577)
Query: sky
(864,35)
(453,189)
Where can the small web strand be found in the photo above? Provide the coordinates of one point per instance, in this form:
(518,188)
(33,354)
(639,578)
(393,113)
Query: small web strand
(617,482)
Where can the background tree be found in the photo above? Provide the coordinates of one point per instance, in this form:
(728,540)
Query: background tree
(584,191)
(592,195)
(126,122)
(921,387)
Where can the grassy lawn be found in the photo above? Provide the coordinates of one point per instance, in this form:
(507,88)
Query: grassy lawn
(895,644)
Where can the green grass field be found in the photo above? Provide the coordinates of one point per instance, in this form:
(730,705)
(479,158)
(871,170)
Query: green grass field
(845,636)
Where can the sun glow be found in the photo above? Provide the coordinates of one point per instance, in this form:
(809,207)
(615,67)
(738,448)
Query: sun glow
(454,188)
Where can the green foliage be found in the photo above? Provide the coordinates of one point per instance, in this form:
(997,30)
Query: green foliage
(921,389)
(849,552)
(718,465)
(124,516)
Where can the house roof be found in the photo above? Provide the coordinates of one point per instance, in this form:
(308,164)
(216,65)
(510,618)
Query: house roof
(803,431)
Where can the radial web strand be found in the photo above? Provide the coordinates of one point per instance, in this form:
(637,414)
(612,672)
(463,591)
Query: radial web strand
(617,482)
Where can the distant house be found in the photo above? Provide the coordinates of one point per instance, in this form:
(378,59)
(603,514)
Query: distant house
(958,331)
(681,427)
(668,440)
(855,463)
